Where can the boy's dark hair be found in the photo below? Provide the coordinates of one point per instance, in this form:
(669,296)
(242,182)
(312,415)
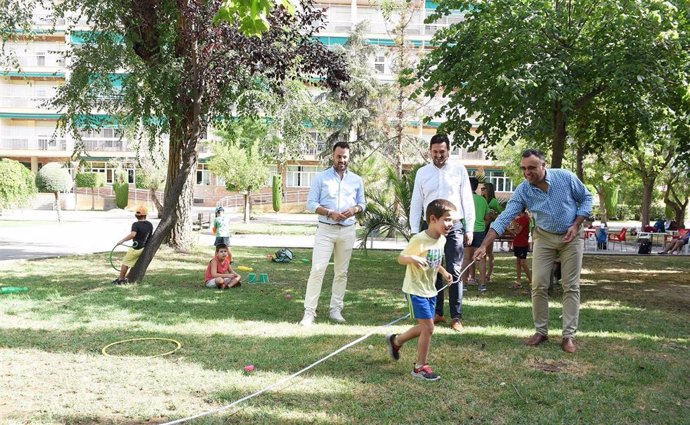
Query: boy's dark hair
(343,145)
(437,208)
(439,138)
(474,183)
(221,246)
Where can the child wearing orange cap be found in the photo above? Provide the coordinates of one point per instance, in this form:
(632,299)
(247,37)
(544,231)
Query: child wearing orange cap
(140,233)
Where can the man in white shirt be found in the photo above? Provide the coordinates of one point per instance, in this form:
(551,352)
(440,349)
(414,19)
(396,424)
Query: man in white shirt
(443,179)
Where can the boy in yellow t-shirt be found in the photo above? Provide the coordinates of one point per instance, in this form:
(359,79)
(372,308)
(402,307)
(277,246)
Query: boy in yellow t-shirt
(423,257)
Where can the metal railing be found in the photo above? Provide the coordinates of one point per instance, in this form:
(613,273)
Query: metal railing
(31,102)
(236,200)
(40,144)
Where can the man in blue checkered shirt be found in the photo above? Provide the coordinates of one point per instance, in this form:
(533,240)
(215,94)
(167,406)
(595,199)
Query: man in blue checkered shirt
(559,203)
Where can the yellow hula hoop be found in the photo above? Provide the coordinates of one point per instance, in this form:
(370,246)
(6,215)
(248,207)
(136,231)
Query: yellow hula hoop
(179,345)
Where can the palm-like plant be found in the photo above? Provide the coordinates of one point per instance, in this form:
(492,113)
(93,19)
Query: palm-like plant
(383,216)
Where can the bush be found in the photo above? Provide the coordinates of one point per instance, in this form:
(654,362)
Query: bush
(626,212)
(277,192)
(89,180)
(659,212)
(17,185)
(121,194)
(52,178)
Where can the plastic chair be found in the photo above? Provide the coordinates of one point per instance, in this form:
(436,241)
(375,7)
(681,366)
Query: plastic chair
(618,237)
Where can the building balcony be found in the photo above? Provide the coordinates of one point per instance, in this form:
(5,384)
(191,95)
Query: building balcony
(32,144)
(34,103)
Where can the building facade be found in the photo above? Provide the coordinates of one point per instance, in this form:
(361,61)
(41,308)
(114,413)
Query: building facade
(28,121)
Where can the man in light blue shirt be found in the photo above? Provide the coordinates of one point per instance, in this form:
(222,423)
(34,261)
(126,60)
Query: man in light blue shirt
(336,195)
(559,203)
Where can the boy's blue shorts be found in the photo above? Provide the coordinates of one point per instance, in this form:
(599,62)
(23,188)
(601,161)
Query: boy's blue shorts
(421,307)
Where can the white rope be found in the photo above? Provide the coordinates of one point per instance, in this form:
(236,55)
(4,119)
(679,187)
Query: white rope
(301,371)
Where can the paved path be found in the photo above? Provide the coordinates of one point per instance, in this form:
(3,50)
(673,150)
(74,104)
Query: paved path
(31,234)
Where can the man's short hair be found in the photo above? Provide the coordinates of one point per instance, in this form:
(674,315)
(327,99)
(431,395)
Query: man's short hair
(437,208)
(343,145)
(221,246)
(474,183)
(439,138)
(533,152)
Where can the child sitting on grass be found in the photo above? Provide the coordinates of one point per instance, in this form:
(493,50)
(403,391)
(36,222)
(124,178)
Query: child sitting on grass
(423,257)
(219,273)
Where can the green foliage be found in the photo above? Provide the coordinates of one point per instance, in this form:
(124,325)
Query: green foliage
(53,177)
(17,185)
(121,194)
(389,217)
(242,168)
(277,192)
(612,192)
(89,180)
(524,68)
(251,15)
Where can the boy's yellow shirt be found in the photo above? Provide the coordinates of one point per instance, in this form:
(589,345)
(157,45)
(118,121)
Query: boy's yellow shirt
(422,281)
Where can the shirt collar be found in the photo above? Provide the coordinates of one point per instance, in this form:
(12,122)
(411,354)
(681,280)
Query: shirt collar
(334,171)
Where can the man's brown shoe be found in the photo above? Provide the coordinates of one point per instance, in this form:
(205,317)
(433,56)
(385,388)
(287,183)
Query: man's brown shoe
(456,325)
(568,345)
(536,339)
(439,319)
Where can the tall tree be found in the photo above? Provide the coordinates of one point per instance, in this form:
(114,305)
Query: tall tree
(359,119)
(529,67)
(182,72)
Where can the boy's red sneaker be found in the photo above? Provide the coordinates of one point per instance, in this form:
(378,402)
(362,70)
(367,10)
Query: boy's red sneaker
(393,348)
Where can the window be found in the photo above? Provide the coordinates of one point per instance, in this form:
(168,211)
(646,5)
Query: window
(203,175)
(380,64)
(500,181)
(40,58)
(301,175)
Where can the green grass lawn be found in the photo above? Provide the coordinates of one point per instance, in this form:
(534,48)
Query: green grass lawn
(632,364)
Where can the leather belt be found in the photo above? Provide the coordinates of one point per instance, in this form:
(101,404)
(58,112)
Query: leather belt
(336,224)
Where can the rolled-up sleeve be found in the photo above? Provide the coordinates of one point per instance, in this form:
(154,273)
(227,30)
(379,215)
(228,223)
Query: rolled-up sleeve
(513,208)
(360,197)
(583,197)
(314,199)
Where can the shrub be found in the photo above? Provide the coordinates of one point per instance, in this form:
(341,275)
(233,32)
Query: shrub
(121,194)
(89,180)
(53,178)
(17,185)
(277,192)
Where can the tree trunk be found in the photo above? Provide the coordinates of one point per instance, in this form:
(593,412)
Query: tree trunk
(181,235)
(57,206)
(247,206)
(603,212)
(647,189)
(559,134)
(579,167)
(157,202)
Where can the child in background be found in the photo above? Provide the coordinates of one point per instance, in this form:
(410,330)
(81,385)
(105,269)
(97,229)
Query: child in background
(140,233)
(221,228)
(423,257)
(602,237)
(219,273)
(521,248)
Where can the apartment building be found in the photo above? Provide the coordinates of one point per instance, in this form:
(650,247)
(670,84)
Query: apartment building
(28,122)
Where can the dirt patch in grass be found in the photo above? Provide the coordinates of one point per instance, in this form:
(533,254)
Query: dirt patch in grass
(570,367)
